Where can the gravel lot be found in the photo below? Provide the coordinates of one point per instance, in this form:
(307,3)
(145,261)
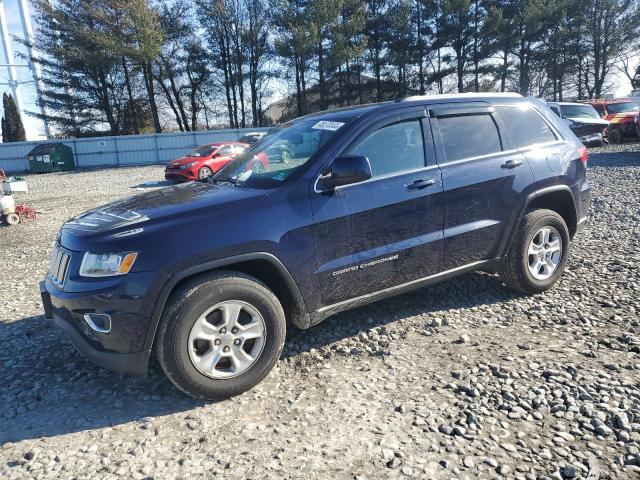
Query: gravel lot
(461,380)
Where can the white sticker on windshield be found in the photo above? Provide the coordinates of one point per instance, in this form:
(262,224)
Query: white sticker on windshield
(325,125)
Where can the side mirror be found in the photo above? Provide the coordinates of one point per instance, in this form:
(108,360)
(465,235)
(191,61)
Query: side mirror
(347,170)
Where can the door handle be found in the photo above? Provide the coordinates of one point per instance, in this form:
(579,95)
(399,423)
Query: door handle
(512,163)
(420,184)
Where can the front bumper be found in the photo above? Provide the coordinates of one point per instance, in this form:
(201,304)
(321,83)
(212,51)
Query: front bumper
(121,349)
(591,139)
(179,175)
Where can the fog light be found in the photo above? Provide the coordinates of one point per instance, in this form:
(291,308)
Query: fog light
(99,322)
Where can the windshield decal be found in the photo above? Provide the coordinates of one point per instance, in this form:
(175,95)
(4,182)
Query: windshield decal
(326,125)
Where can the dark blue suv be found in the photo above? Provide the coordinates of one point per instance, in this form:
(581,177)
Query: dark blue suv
(376,200)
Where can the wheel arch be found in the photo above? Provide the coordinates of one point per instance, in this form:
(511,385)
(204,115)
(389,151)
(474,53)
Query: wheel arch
(559,199)
(262,265)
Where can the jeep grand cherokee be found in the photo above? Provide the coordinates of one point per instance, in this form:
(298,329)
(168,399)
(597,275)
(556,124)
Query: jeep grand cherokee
(386,198)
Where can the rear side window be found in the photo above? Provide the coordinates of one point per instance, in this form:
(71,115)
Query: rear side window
(394,148)
(525,127)
(465,136)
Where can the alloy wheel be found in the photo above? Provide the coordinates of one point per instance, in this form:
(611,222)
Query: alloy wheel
(204,172)
(545,253)
(227,339)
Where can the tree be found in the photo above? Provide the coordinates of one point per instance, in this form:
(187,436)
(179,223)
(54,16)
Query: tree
(324,15)
(375,28)
(182,68)
(399,42)
(349,43)
(294,44)
(614,29)
(457,33)
(12,127)
(260,51)
(142,40)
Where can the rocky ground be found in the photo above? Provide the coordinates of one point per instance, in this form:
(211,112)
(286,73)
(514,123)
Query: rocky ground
(461,380)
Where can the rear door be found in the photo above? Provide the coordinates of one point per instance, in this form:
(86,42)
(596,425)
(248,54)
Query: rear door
(483,181)
(388,230)
(530,133)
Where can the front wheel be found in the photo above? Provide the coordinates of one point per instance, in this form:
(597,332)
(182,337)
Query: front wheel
(204,172)
(538,254)
(615,136)
(221,334)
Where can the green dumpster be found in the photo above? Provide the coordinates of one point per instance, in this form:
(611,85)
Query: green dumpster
(51,157)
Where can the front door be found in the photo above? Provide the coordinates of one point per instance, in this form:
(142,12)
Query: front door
(388,230)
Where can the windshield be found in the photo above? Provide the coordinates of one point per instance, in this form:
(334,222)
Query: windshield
(269,162)
(626,107)
(579,111)
(203,151)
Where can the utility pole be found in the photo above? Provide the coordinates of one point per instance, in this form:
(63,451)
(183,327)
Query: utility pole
(25,16)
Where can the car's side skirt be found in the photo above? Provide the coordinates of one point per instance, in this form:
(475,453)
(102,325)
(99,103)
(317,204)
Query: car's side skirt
(327,311)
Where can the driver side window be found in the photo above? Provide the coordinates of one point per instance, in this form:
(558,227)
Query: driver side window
(225,150)
(394,148)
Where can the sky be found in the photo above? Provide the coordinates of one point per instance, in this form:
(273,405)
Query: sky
(35,128)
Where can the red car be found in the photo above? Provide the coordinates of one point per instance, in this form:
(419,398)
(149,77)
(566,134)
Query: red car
(206,160)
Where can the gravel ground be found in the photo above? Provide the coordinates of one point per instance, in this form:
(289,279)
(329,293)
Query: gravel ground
(461,380)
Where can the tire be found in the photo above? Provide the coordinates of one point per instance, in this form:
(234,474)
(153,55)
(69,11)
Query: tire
(12,219)
(178,349)
(615,136)
(285,157)
(516,267)
(257,167)
(204,172)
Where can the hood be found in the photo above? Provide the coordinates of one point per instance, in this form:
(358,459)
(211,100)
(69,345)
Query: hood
(186,201)
(186,159)
(589,121)
(624,117)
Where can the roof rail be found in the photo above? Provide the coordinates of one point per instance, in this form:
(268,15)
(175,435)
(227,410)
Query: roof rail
(460,95)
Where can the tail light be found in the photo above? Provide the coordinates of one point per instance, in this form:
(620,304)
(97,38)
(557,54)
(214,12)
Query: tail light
(584,155)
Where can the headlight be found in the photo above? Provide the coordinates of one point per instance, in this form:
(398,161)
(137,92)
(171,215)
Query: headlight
(107,264)
(187,165)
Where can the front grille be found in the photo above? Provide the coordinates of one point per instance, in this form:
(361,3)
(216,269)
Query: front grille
(586,129)
(58,265)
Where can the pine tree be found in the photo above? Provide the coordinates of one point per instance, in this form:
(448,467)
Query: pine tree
(12,127)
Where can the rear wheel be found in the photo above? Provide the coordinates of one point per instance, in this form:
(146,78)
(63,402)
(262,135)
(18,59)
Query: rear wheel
(221,334)
(204,172)
(538,254)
